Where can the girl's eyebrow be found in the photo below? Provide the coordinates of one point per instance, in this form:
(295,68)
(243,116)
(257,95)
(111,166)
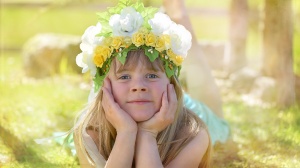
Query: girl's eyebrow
(120,70)
(128,70)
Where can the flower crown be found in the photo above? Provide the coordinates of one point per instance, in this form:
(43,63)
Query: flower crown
(131,26)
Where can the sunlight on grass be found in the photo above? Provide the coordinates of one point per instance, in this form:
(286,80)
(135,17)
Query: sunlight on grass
(32,109)
(266,137)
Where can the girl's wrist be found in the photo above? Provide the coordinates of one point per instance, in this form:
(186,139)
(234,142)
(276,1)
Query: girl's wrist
(133,130)
(145,132)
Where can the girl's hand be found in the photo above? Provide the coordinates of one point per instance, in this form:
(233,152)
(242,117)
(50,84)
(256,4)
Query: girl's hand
(164,116)
(120,120)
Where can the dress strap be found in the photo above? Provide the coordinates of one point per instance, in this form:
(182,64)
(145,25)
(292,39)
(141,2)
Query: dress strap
(92,149)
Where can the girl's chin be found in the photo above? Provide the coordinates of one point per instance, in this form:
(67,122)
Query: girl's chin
(141,118)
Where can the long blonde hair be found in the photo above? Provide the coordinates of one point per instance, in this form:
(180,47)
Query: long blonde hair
(170,141)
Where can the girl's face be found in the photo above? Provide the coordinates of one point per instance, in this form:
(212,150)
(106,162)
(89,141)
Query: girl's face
(138,87)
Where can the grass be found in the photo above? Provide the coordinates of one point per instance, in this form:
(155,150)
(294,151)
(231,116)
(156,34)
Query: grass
(265,137)
(35,108)
(32,109)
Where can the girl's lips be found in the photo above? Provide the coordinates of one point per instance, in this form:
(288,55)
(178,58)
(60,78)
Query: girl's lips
(139,101)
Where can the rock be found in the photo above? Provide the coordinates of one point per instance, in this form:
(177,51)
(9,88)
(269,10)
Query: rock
(44,54)
(243,80)
(265,88)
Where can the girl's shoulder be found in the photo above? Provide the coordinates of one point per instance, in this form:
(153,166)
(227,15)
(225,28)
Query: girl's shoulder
(196,152)
(93,132)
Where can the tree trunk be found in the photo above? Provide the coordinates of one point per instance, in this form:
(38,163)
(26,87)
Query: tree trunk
(238,35)
(278,48)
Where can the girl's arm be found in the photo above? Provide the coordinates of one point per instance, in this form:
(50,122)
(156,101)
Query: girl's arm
(123,149)
(147,154)
(84,163)
(192,154)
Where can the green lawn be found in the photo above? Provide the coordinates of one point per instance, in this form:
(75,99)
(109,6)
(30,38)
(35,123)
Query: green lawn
(31,109)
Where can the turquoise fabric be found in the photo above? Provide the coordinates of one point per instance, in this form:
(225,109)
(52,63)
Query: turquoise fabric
(218,128)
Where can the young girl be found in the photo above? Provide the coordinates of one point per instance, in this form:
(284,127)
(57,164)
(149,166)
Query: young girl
(138,118)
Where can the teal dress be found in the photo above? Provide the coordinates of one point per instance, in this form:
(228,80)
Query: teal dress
(218,128)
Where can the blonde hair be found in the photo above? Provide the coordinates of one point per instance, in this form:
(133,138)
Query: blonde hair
(170,141)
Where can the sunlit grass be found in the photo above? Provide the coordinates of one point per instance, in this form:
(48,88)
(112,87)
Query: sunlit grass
(31,109)
(266,137)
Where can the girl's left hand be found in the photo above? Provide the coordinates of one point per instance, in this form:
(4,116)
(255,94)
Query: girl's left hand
(120,119)
(164,116)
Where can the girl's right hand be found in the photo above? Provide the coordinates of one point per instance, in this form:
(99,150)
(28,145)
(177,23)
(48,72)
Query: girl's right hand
(120,119)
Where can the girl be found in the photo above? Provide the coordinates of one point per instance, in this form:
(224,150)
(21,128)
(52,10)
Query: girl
(139,116)
(138,119)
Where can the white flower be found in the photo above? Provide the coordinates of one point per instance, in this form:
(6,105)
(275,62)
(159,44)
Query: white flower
(160,23)
(127,23)
(89,42)
(181,39)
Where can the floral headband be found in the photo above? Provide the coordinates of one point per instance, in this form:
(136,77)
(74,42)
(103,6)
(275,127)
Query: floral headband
(131,26)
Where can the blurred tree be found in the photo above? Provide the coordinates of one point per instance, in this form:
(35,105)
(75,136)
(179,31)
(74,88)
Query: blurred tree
(238,34)
(278,48)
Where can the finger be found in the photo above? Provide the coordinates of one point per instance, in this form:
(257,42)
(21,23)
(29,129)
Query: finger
(107,95)
(109,101)
(105,98)
(164,106)
(172,97)
(172,100)
(107,84)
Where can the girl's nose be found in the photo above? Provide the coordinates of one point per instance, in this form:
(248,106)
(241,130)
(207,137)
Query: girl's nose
(139,85)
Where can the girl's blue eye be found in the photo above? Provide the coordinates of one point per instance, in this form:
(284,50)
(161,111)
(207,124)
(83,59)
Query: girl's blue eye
(124,77)
(151,76)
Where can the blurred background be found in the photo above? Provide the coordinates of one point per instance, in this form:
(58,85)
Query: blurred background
(252,47)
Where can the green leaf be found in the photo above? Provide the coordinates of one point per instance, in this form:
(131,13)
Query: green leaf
(169,72)
(122,56)
(178,70)
(151,55)
(98,81)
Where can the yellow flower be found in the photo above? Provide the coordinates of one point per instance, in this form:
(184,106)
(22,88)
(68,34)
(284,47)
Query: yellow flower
(101,54)
(138,39)
(150,39)
(171,54)
(162,43)
(116,42)
(176,59)
(167,40)
(107,41)
(126,42)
